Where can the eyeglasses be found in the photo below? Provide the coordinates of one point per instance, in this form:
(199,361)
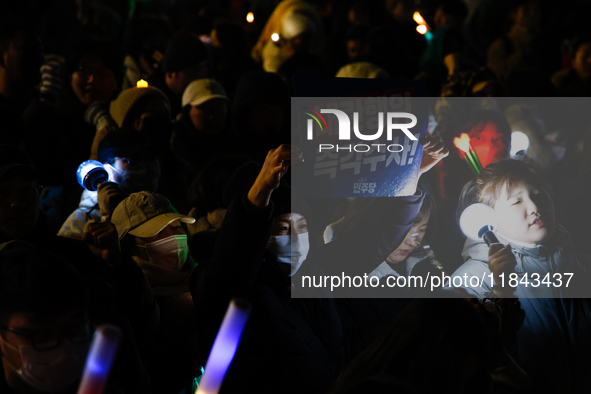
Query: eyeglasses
(51,339)
(26,194)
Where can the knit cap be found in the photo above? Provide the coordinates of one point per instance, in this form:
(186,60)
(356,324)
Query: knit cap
(131,98)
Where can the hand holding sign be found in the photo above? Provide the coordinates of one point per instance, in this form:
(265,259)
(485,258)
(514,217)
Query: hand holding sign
(433,151)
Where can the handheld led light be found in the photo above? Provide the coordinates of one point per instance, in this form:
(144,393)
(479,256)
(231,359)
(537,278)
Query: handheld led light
(90,174)
(478,222)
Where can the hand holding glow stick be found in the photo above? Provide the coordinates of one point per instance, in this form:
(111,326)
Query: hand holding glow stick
(224,347)
(478,222)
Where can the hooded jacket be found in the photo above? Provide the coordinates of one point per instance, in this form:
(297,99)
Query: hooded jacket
(553,342)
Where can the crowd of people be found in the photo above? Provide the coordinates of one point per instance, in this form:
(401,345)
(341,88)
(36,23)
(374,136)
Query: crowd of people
(185,104)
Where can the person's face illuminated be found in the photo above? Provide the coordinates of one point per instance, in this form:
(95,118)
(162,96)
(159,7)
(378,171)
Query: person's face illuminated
(525,214)
(93,81)
(19,206)
(289,223)
(488,143)
(209,117)
(411,241)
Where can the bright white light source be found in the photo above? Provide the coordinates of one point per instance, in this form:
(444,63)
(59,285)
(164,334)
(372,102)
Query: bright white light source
(475,217)
(90,173)
(422,29)
(519,142)
(250,17)
(275,37)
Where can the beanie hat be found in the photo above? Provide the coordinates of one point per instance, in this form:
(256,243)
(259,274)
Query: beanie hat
(145,214)
(185,50)
(202,90)
(130,99)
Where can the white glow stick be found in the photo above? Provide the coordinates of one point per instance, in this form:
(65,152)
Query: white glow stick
(475,217)
(100,359)
(224,347)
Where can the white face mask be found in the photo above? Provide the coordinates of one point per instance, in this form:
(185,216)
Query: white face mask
(51,371)
(290,250)
(170,252)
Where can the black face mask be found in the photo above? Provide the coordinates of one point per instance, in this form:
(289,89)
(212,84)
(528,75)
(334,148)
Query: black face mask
(158,128)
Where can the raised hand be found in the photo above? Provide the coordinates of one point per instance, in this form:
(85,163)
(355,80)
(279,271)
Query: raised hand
(276,165)
(433,151)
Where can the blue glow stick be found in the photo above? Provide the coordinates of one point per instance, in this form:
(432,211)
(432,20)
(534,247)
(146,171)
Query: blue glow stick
(100,359)
(224,347)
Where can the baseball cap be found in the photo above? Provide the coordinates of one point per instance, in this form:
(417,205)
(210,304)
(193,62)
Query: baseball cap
(202,90)
(145,214)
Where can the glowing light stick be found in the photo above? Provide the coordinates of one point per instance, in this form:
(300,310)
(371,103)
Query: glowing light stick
(250,17)
(422,26)
(519,143)
(100,359)
(476,160)
(478,222)
(463,144)
(224,347)
(90,174)
(141,84)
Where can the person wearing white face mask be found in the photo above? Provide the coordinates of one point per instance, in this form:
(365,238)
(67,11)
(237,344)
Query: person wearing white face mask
(151,232)
(289,241)
(291,345)
(47,319)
